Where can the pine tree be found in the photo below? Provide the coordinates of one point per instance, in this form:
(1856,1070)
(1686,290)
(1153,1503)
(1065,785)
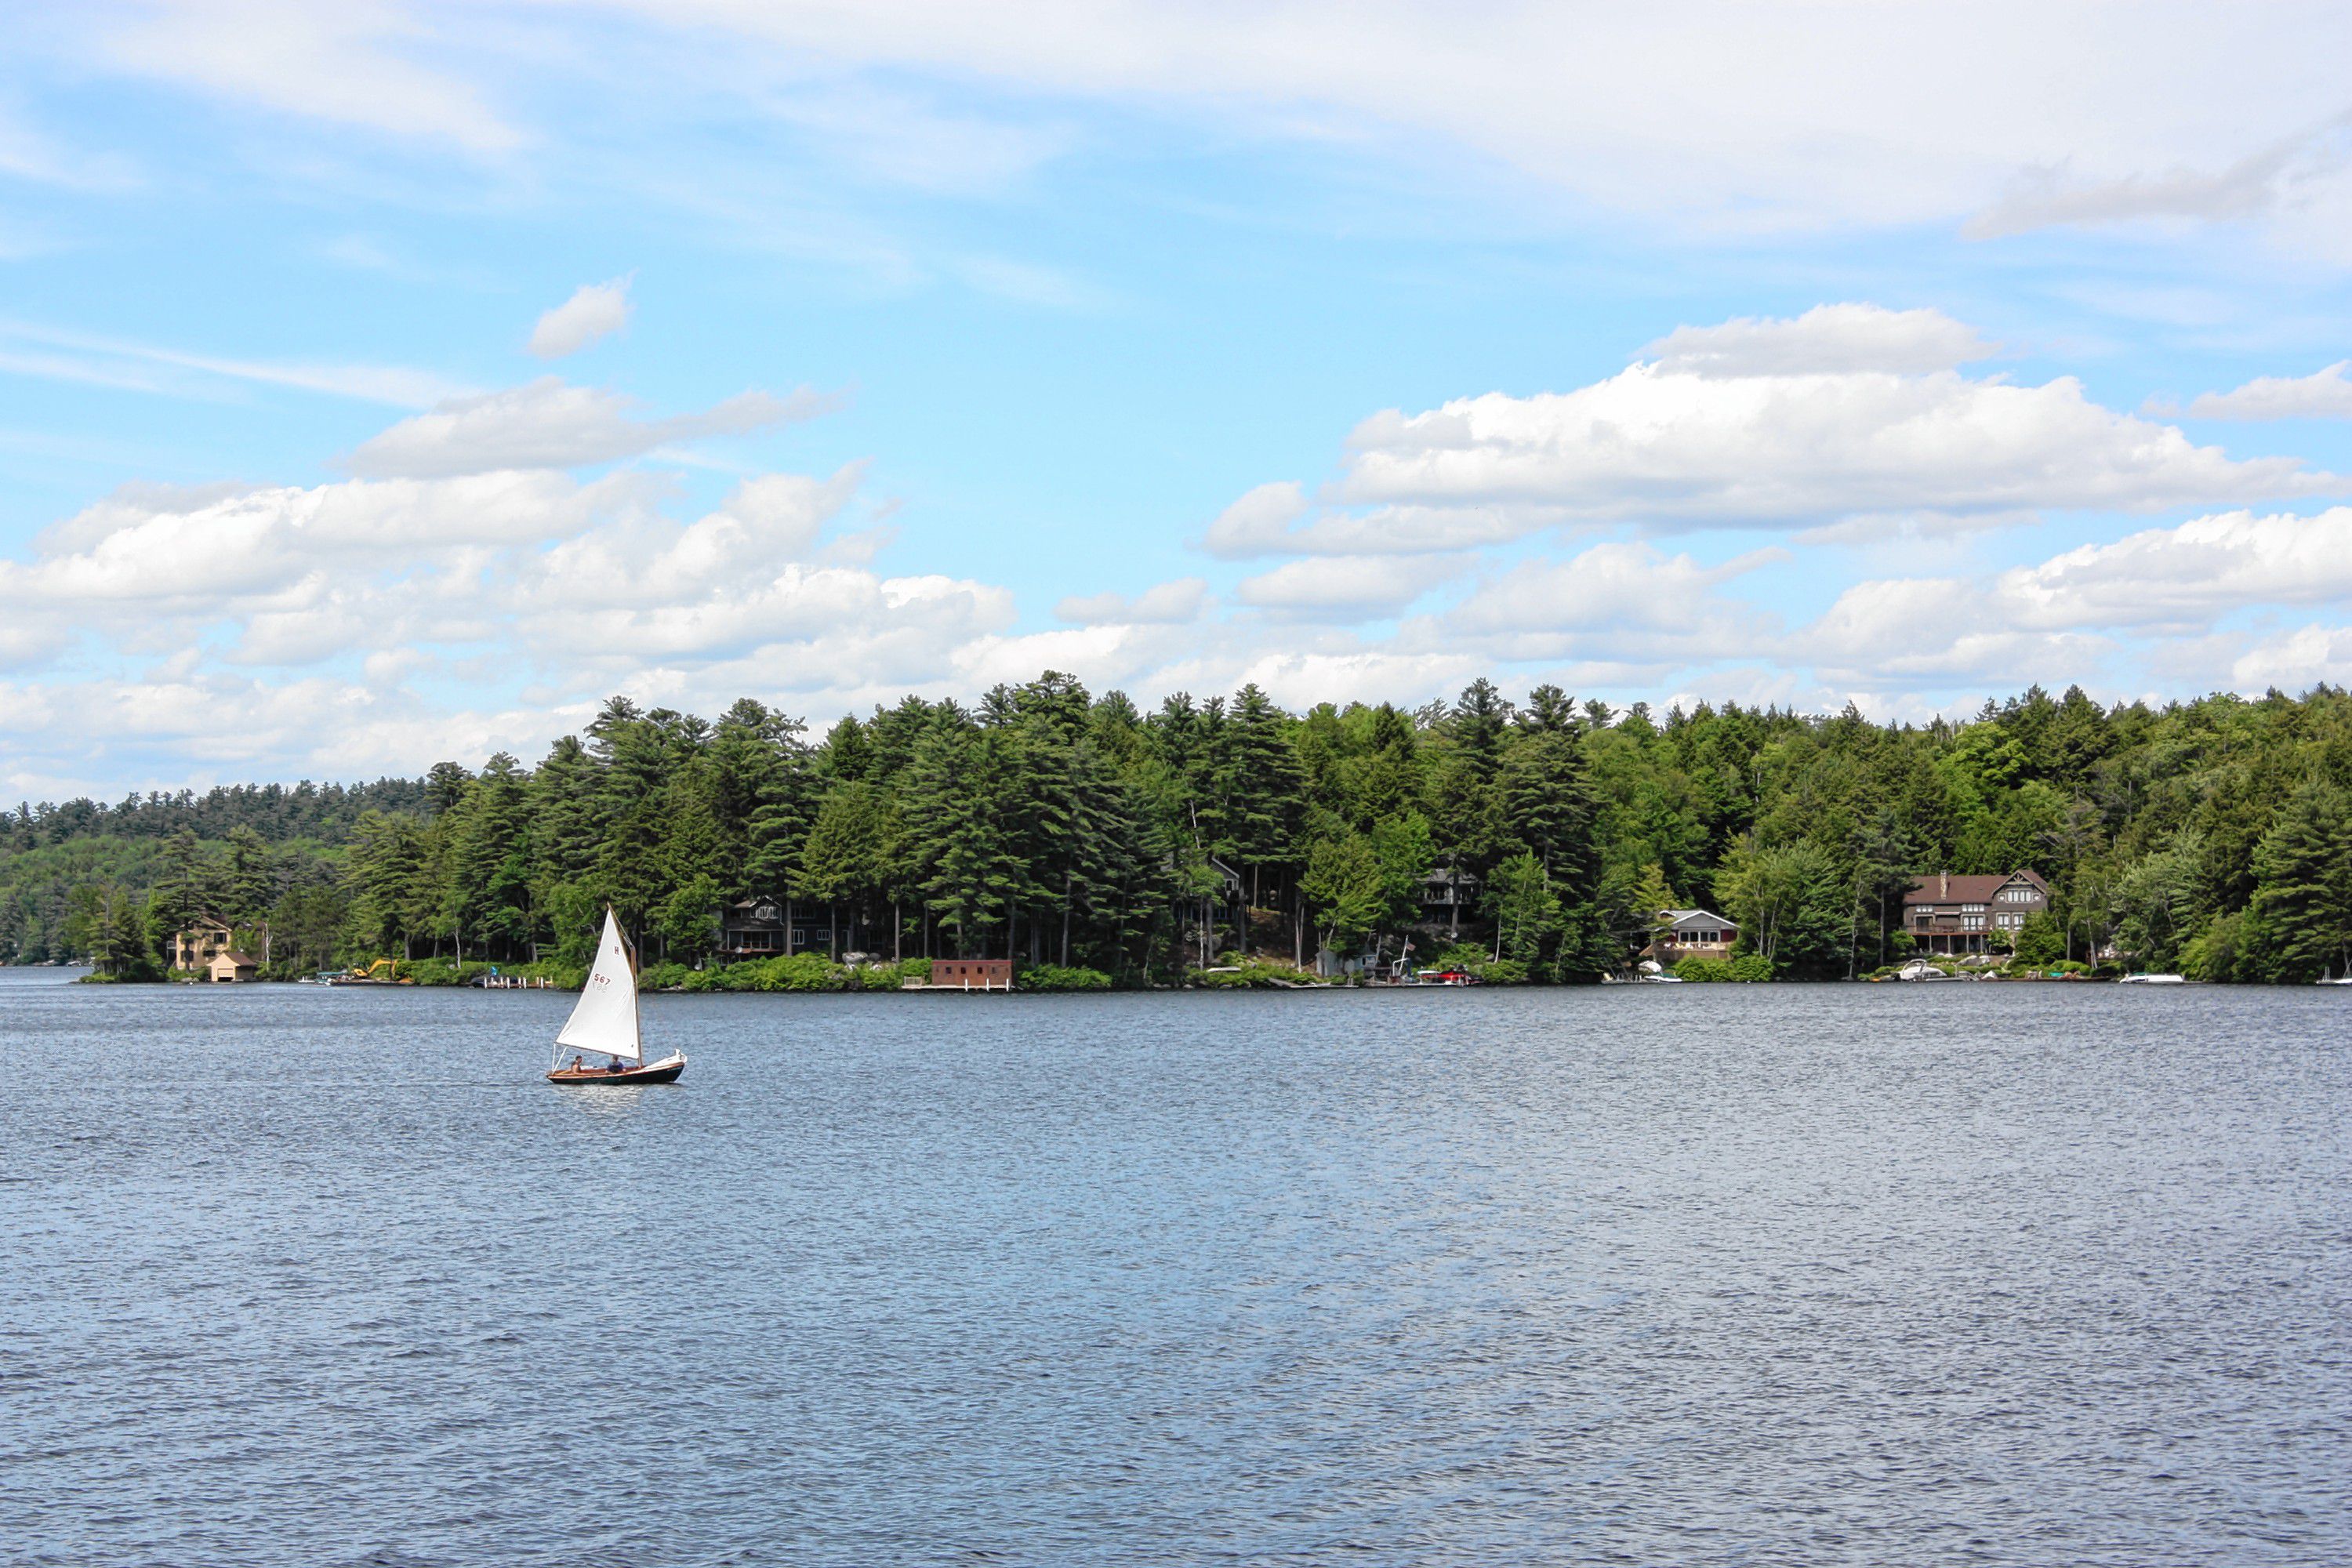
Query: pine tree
(2302,886)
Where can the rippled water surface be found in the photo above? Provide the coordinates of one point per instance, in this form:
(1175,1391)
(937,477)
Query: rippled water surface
(1715,1275)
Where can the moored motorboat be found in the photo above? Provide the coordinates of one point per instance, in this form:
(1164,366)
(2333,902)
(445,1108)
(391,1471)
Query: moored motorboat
(604,1022)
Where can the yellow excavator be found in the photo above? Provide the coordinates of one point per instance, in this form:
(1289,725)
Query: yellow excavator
(383,972)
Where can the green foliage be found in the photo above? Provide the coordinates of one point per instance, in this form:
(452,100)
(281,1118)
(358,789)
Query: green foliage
(1074,831)
(802,972)
(1747,968)
(1055,977)
(2302,887)
(2040,943)
(1794,907)
(1347,886)
(1525,909)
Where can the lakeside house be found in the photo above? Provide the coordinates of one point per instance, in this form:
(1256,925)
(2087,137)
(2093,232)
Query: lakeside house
(1692,934)
(231,968)
(195,948)
(1447,892)
(761,927)
(1957,915)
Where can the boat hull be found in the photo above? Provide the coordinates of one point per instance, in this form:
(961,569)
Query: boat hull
(665,1071)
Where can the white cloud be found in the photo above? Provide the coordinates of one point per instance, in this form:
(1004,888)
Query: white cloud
(1826,340)
(2324,393)
(1912,632)
(2189,575)
(1258,522)
(594,311)
(549,424)
(1848,419)
(1354,585)
(2059,618)
(1673,448)
(2295,660)
(1624,601)
(1165,604)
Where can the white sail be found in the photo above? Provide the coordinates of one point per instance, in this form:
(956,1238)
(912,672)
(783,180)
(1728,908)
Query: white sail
(605,1020)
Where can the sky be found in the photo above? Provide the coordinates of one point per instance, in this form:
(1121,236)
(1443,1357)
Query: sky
(388,382)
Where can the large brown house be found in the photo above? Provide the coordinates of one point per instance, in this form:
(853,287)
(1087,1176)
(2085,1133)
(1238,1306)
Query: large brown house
(1945,914)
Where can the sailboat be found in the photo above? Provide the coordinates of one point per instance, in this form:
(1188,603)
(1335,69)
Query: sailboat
(604,1022)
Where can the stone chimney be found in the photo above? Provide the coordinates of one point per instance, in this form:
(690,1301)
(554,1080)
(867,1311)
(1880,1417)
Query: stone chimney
(1947,889)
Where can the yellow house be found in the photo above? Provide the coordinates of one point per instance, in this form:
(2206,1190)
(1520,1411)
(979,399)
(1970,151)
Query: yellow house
(194,948)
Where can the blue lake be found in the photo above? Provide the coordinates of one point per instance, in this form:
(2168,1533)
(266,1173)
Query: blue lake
(1699,1274)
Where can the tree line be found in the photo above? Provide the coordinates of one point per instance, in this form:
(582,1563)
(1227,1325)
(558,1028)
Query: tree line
(1050,825)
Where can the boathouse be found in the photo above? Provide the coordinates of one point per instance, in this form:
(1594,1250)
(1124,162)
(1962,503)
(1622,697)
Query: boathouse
(971,973)
(231,968)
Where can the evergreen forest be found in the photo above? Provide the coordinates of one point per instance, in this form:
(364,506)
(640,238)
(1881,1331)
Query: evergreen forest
(1074,831)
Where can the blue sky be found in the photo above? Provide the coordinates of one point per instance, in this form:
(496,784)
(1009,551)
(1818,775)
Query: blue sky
(1771,353)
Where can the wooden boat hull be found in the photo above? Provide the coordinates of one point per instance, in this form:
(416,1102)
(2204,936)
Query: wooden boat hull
(665,1071)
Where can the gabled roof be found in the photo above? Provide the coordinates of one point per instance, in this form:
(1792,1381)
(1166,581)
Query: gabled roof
(1931,889)
(239,959)
(1682,917)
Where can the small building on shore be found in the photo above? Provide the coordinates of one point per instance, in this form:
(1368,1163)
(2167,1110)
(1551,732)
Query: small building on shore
(1691,933)
(230,968)
(971,974)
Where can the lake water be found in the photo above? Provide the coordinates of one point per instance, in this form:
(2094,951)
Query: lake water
(1701,1274)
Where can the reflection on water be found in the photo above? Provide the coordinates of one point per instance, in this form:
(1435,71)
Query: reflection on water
(620,1100)
(1717,1275)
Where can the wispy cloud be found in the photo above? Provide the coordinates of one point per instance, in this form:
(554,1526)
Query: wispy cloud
(2054,194)
(548,424)
(2324,393)
(98,360)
